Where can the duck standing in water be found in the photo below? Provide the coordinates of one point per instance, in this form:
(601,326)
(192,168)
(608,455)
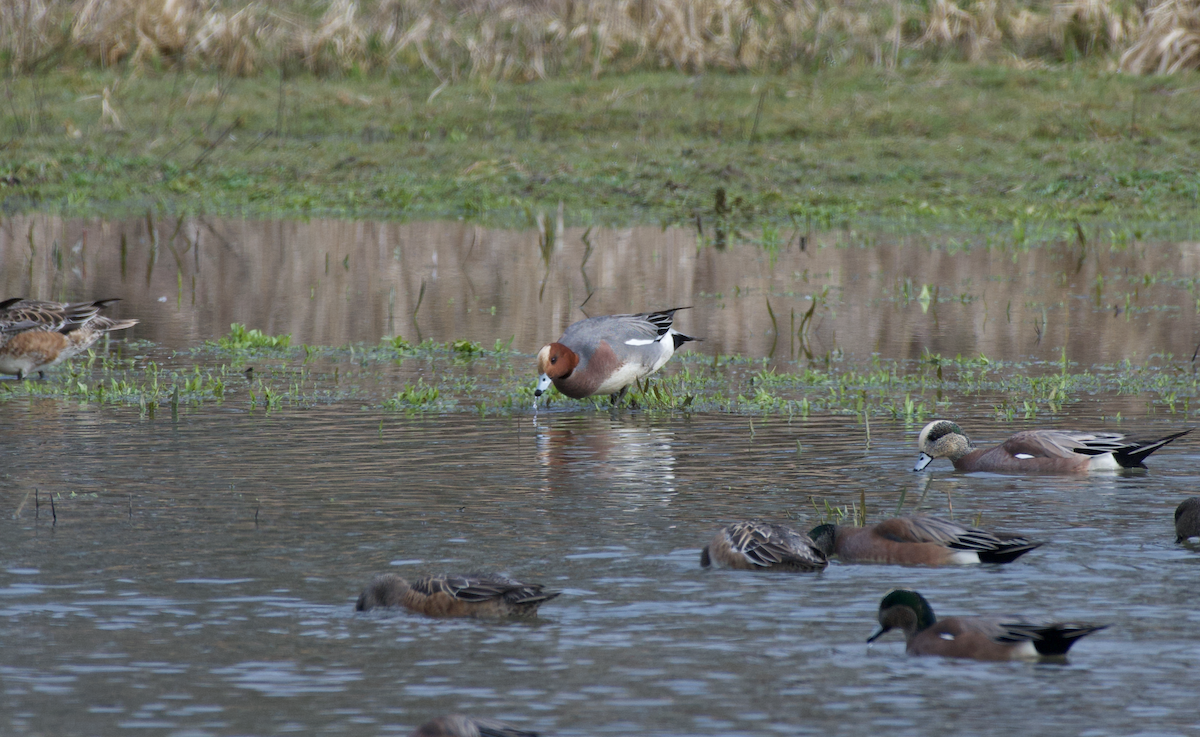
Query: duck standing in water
(604,355)
(36,336)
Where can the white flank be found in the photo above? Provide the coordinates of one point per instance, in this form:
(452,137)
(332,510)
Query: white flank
(639,341)
(624,376)
(964,558)
(946,636)
(1104,462)
(1023,456)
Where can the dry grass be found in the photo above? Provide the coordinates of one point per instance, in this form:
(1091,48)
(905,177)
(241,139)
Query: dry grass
(1170,42)
(535,39)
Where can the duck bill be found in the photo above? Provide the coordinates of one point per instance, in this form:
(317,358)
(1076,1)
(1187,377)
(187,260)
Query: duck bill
(543,383)
(876,636)
(923,460)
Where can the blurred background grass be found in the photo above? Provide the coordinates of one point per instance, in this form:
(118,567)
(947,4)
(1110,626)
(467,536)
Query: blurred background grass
(523,40)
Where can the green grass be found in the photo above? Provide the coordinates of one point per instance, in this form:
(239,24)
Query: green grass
(971,148)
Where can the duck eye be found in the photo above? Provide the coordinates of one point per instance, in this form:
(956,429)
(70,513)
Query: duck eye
(554,359)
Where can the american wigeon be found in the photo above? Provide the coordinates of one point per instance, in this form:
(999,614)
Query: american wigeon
(761,546)
(604,355)
(487,595)
(1187,519)
(35,336)
(457,725)
(979,638)
(1037,451)
(919,541)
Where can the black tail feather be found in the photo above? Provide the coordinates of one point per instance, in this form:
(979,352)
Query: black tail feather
(1012,549)
(1132,455)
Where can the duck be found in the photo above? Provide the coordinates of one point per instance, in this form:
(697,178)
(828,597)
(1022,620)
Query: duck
(919,541)
(762,546)
(605,355)
(36,335)
(977,638)
(475,595)
(1187,519)
(1037,451)
(457,725)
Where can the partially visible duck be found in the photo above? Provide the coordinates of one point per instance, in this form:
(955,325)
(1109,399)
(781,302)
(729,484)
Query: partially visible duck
(1187,519)
(457,725)
(761,546)
(604,355)
(979,638)
(488,595)
(36,336)
(919,541)
(1037,451)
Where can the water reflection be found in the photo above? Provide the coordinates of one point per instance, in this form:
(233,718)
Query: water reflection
(336,282)
(590,451)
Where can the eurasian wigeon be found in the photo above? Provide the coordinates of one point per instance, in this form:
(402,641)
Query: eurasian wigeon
(978,638)
(35,336)
(1187,519)
(457,725)
(1037,451)
(604,355)
(488,595)
(919,541)
(762,546)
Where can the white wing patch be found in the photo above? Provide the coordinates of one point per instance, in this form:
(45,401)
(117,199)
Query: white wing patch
(1023,456)
(946,636)
(639,341)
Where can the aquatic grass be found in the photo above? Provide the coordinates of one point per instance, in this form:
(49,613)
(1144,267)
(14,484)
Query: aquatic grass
(457,377)
(413,396)
(241,339)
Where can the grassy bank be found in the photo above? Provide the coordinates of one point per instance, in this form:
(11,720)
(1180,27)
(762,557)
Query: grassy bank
(949,144)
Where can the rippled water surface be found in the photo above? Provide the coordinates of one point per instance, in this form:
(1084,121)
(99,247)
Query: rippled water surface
(196,575)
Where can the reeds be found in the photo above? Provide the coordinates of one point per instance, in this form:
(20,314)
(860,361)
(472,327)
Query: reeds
(535,39)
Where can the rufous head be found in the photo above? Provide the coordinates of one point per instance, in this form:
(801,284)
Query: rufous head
(557,361)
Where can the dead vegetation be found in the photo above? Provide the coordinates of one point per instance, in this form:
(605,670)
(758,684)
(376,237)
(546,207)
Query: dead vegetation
(535,39)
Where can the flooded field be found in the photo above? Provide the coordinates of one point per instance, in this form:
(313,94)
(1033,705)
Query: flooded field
(196,571)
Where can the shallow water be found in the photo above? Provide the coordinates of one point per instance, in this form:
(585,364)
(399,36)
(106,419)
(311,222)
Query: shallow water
(200,579)
(339,282)
(196,575)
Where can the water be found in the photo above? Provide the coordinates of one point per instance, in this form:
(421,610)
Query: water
(340,282)
(200,576)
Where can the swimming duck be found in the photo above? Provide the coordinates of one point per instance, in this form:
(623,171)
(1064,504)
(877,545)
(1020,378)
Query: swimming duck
(1037,451)
(486,595)
(1187,519)
(979,638)
(457,725)
(919,541)
(760,546)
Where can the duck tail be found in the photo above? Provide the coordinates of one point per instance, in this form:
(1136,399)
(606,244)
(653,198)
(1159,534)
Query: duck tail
(533,596)
(1009,550)
(1057,639)
(1132,455)
(680,338)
